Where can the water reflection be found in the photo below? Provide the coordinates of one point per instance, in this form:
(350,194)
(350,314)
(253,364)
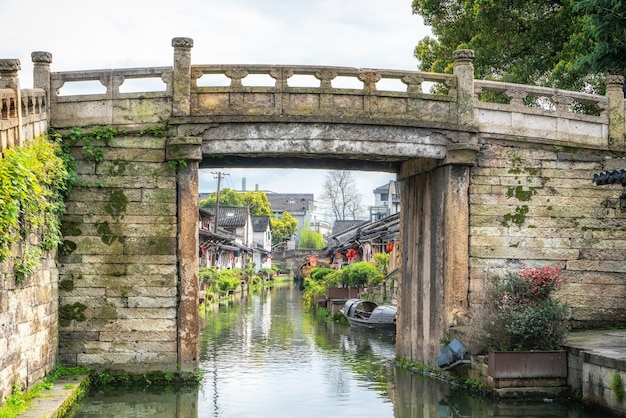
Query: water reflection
(264,357)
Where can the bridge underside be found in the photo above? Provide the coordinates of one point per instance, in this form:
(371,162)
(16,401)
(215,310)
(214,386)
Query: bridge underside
(318,145)
(296,162)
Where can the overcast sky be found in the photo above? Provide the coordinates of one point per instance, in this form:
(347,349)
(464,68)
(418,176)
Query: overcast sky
(84,35)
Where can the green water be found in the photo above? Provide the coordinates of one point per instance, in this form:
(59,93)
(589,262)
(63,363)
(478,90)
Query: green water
(264,357)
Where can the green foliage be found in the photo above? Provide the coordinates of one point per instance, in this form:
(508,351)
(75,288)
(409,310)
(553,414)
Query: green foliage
(228,280)
(92,142)
(31,259)
(521,312)
(381,261)
(312,293)
(283,227)
(605,24)
(323,314)
(617,386)
(176,164)
(19,400)
(257,201)
(208,275)
(33,182)
(526,42)
(360,274)
(311,239)
(158,130)
(319,273)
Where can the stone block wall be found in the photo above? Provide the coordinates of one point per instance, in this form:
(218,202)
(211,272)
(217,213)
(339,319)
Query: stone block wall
(28,325)
(540,207)
(118,274)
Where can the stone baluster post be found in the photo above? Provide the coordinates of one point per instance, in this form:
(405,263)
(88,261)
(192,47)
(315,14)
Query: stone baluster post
(41,73)
(181,100)
(464,72)
(10,80)
(615,95)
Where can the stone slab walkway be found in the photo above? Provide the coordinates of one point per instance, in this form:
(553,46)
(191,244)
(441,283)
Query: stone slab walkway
(601,346)
(56,402)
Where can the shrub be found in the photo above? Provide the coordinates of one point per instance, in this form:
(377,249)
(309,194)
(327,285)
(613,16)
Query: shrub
(381,261)
(319,273)
(228,280)
(360,274)
(208,276)
(521,312)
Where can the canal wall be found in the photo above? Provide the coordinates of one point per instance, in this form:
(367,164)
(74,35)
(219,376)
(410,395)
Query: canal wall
(28,307)
(538,206)
(118,275)
(28,324)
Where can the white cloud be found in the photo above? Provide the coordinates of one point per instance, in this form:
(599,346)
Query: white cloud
(138,33)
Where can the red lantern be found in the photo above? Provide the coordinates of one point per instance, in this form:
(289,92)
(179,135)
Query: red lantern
(390,247)
(352,254)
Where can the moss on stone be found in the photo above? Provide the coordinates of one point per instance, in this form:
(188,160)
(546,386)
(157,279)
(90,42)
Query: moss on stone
(116,207)
(118,167)
(66,285)
(518,218)
(106,234)
(520,193)
(71,228)
(71,311)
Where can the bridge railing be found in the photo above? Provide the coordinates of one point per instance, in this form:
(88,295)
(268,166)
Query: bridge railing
(23,112)
(541,112)
(102,100)
(320,91)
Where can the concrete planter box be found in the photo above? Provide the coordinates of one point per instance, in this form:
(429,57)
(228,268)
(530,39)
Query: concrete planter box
(527,368)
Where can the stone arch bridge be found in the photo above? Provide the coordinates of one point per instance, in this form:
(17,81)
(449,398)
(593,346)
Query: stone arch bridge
(486,187)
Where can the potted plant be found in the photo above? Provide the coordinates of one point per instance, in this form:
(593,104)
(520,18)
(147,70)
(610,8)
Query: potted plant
(522,325)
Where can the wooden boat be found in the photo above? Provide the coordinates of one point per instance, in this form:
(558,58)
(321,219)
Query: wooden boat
(365,314)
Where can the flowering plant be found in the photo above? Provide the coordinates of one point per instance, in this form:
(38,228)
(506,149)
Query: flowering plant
(521,312)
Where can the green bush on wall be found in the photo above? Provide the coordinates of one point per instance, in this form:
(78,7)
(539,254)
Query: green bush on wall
(33,182)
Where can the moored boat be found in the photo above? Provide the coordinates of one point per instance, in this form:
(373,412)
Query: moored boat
(366,314)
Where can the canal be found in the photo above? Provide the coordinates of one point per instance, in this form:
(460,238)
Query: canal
(263,357)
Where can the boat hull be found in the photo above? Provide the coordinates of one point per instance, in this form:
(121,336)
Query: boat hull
(368,315)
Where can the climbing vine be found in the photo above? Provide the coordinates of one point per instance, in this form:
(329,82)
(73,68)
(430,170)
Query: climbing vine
(33,182)
(92,142)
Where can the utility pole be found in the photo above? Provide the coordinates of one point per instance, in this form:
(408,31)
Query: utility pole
(219,175)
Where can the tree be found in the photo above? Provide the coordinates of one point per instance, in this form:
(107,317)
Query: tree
(605,24)
(228,197)
(521,41)
(340,195)
(311,239)
(257,201)
(283,227)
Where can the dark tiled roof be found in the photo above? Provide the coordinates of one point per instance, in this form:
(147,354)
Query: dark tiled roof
(260,223)
(342,225)
(290,202)
(232,217)
(610,177)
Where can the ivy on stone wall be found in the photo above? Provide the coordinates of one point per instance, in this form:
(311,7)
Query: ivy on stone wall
(33,182)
